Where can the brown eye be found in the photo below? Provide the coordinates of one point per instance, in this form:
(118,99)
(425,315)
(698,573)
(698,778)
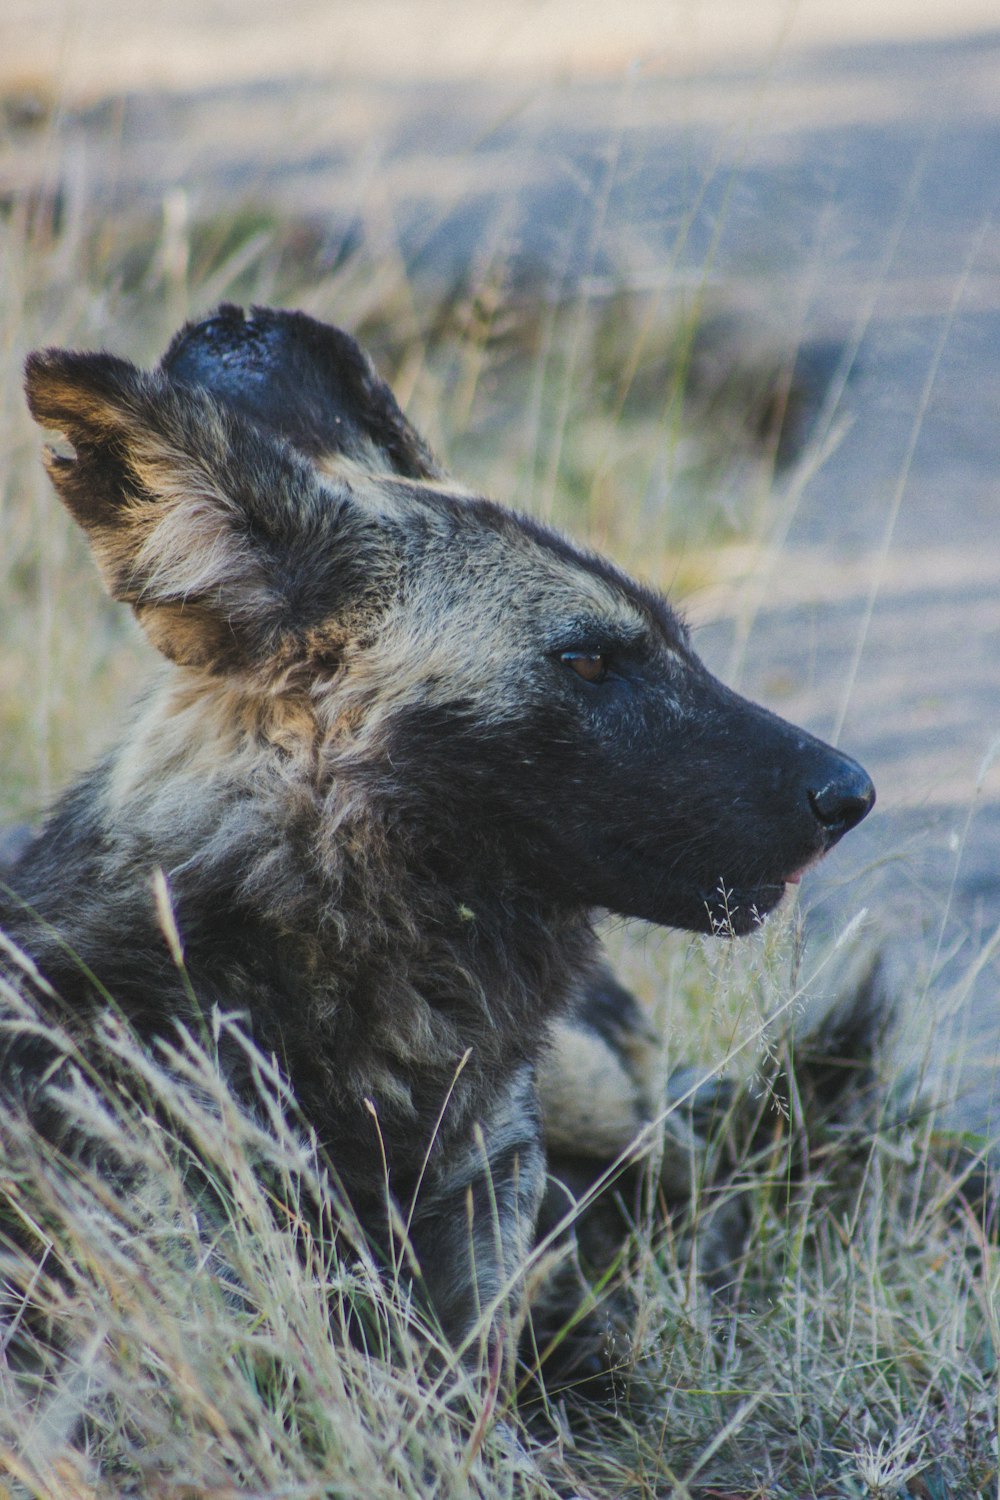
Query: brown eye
(592,666)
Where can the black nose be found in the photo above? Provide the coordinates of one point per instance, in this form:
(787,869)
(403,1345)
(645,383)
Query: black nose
(843,800)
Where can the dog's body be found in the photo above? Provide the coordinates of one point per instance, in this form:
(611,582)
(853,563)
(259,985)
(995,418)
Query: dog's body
(409,740)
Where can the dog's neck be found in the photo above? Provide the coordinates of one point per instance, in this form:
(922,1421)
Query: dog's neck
(411,952)
(376,965)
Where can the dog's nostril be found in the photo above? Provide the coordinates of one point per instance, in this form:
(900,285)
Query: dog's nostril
(844,800)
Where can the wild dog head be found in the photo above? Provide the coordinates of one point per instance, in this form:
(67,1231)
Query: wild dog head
(529,720)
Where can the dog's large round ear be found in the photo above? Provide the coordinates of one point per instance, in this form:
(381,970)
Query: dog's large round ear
(225,541)
(305,380)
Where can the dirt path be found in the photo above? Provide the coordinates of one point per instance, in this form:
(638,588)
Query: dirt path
(848,194)
(92,48)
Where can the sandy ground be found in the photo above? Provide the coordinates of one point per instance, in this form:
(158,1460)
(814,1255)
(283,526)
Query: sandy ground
(89,47)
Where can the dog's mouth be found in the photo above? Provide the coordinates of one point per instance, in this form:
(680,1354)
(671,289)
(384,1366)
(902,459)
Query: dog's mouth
(726,908)
(732,911)
(740,909)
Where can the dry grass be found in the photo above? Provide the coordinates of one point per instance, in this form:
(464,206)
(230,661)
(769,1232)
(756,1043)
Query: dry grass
(218,1328)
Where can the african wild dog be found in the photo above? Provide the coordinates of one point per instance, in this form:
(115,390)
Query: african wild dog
(406,743)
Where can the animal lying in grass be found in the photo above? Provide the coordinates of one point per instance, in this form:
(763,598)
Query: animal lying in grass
(406,742)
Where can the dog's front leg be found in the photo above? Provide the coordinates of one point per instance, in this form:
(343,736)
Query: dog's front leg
(474,1224)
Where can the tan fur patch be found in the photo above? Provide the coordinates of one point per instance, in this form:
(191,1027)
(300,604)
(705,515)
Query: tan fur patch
(590,1103)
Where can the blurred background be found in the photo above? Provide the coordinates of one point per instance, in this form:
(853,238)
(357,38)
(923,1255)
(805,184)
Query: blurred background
(714,284)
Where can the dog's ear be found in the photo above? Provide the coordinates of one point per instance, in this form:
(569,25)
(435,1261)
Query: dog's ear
(307,381)
(224,540)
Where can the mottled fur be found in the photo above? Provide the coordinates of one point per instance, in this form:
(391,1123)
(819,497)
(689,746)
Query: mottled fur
(384,796)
